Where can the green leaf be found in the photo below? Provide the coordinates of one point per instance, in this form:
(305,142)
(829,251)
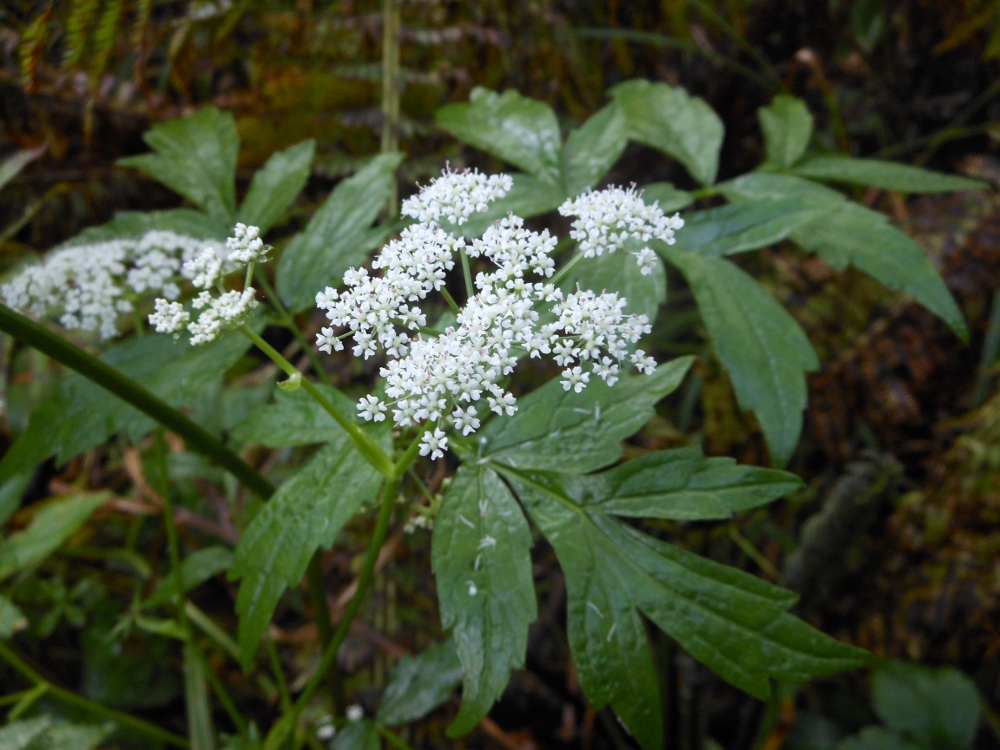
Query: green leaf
(196,157)
(578,432)
(276,185)
(938,707)
(11,166)
(10,495)
(335,238)
(53,525)
(480,556)
(11,620)
(521,131)
(135,673)
(19,734)
(787,127)
(358,735)
(528,197)
(667,196)
(734,623)
(70,737)
(680,484)
(747,225)
(80,414)
(132,224)
(681,126)
(592,149)
(197,568)
(197,703)
(878,738)
(295,418)
(306,513)
(618,272)
(761,346)
(884,174)
(851,234)
(419,684)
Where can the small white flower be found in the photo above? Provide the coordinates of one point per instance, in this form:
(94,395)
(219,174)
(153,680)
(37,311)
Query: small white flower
(245,246)
(371,409)
(355,713)
(466,421)
(169,317)
(455,196)
(434,443)
(646,259)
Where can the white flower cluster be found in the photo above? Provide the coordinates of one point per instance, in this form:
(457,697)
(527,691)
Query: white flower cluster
(218,313)
(88,287)
(607,218)
(438,378)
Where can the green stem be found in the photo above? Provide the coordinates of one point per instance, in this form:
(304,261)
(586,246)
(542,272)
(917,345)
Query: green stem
(470,290)
(289,322)
(365,445)
(392,738)
(279,673)
(128,390)
(564,271)
(138,726)
(222,694)
(450,300)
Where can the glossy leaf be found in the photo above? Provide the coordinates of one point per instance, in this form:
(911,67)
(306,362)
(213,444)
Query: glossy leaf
(196,157)
(787,127)
(682,126)
(884,174)
(519,130)
(306,513)
(578,432)
(48,530)
(357,735)
(743,226)
(11,619)
(852,234)
(480,557)
(667,196)
(733,622)
(294,419)
(276,185)
(419,684)
(196,568)
(761,346)
(938,707)
(618,272)
(592,149)
(528,197)
(679,484)
(335,239)
(18,735)
(80,414)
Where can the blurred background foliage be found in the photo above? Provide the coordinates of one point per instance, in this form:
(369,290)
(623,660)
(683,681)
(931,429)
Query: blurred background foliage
(902,448)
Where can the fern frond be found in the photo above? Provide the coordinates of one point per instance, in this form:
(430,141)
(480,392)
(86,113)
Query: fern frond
(104,38)
(32,46)
(81,18)
(140,26)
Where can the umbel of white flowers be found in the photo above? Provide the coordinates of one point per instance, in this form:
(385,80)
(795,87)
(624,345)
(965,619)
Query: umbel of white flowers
(439,378)
(88,287)
(226,310)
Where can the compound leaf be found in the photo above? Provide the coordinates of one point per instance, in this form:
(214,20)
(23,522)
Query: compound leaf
(747,225)
(592,149)
(787,127)
(276,185)
(884,174)
(295,418)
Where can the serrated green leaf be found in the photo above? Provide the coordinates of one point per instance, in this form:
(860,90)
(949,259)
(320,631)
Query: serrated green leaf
(667,196)
(480,557)
(295,418)
(761,346)
(733,622)
(618,272)
(528,197)
(878,738)
(132,224)
(419,684)
(592,149)
(849,233)
(80,414)
(787,127)
(196,568)
(19,734)
(938,707)
(555,429)
(52,526)
(11,619)
(196,157)
(884,174)
(748,225)
(335,238)
(276,185)
(306,513)
(681,126)
(358,735)
(519,130)
(681,484)
(70,737)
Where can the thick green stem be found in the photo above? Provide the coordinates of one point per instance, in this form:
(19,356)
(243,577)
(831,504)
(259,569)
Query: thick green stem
(138,726)
(365,445)
(128,390)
